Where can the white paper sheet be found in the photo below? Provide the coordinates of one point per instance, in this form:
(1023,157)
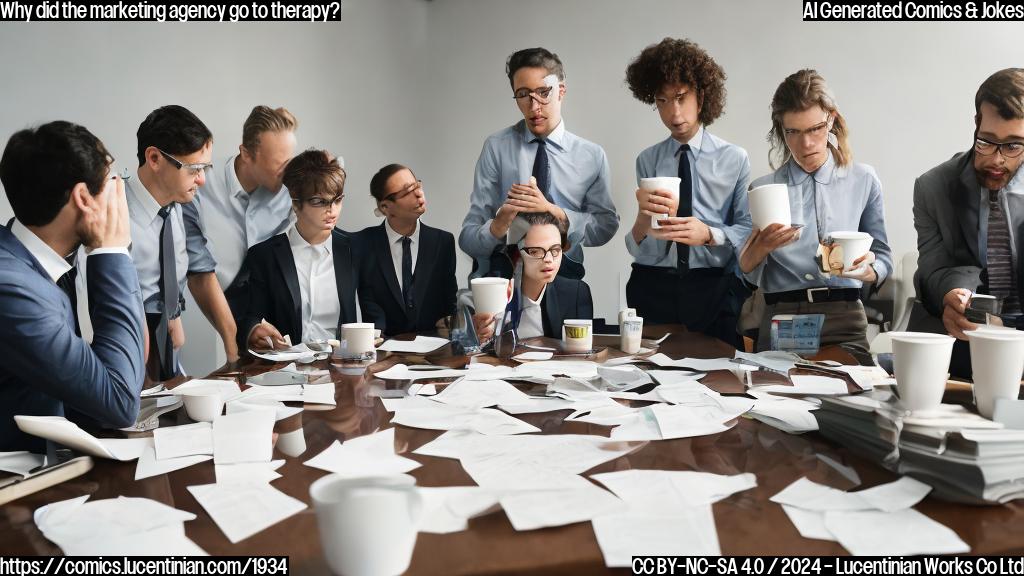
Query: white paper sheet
(20,463)
(445,510)
(806,384)
(773,360)
(902,533)
(228,389)
(533,356)
(790,415)
(243,437)
(698,364)
(686,422)
(809,523)
(241,510)
(299,352)
(902,493)
(538,405)
(370,455)
(622,536)
(149,465)
(530,510)
(402,372)
(665,492)
(443,417)
(187,440)
(247,472)
(281,410)
(67,433)
(421,345)
(480,394)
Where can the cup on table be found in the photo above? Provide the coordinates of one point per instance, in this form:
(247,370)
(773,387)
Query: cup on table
(357,339)
(769,204)
(853,245)
(202,404)
(997,361)
(490,295)
(578,335)
(669,183)
(630,333)
(921,362)
(626,313)
(368,525)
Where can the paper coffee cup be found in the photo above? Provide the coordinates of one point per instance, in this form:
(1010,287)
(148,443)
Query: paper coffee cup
(921,362)
(203,405)
(578,335)
(769,204)
(670,183)
(997,361)
(358,337)
(853,245)
(630,334)
(490,295)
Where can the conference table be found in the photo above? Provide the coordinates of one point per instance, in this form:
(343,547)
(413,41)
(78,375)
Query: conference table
(747,522)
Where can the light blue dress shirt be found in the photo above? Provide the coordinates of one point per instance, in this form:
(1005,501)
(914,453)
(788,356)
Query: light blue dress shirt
(579,186)
(721,174)
(833,199)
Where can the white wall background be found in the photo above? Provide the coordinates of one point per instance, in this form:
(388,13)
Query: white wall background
(422,83)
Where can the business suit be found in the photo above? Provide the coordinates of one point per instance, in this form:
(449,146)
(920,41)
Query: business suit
(434,288)
(274,292)
(948,217)
(564,299)
(46,367)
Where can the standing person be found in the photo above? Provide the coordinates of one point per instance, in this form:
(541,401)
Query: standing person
(968,212)
(537,165)
(243,201)
(828,192)
(174,150)
(407,283)
(685,272)
(57,179)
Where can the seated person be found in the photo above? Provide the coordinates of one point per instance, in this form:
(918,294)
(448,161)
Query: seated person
(407,281)
(57,180)
(828,192)
(543,300)
(302,282)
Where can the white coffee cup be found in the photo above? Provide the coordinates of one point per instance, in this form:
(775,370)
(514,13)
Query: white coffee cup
(630,334)
(669,183)
(997,361)
(367,525)
(921,362)
(854,245)
(578,335)
(490,295)
(626,313)
(202,404)
(358,337)
(769,204)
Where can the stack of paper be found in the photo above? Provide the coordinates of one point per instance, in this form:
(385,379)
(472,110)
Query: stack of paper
(117,527)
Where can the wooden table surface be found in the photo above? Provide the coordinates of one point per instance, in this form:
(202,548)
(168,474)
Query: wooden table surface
(747,522)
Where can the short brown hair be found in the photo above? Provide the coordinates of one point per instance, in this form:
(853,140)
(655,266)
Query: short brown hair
(314,173)
(1005,91)
(534,58)
(545,218)
(798,92)
(266,119)
(673,61)
(380,179)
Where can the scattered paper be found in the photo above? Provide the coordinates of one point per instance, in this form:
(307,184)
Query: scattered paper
(370,455)
(809,523)
(808,495)
(402,372)
(443,417)
(445,510)
(663,492)
(811,385)
(480,394)
(299,352)
(902,533)
(67,433)
(247,472)
(421,345)
(241,510)
(532,356)
(188,440)
(149,465)
(243,437)
(690,533)
(20,463)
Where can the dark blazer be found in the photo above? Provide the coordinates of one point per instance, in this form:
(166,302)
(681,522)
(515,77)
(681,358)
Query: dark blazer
(380,297)
(274,292)
(564,299)
(946,213)
(45,367)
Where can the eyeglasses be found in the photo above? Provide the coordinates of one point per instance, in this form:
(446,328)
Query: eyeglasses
(541,95)
(193,169)
(321,202)
(405,191)
(817,131)
(1007,149)
(661,103)
(539,253)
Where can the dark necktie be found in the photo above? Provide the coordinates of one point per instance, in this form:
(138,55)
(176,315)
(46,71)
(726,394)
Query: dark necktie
(407,278)
(685,206)
(542,169)
(168,295)
(67,284)
(1002,281)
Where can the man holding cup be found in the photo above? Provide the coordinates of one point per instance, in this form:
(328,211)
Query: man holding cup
(968,211)
(537,166)
(692,202)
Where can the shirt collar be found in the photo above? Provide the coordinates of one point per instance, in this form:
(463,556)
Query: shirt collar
(296,241)
(822,175)
(531,302)
(54,264)
(557,136)
(694,142)
(149,205)
(395,236)
(234,184)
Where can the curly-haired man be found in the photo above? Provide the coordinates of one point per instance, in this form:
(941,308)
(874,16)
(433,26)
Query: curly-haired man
(684,270)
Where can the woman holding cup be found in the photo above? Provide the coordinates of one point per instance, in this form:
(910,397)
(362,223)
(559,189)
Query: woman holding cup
(302,282)
(838,202)
(543,300)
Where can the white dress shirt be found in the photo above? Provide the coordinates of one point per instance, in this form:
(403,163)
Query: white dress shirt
(531,322)
(145,246)
(317,286)
(395,242)
(234,220)
(54,264)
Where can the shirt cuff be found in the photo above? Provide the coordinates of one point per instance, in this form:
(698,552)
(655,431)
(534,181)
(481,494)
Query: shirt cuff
(717,236)
(109,250)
